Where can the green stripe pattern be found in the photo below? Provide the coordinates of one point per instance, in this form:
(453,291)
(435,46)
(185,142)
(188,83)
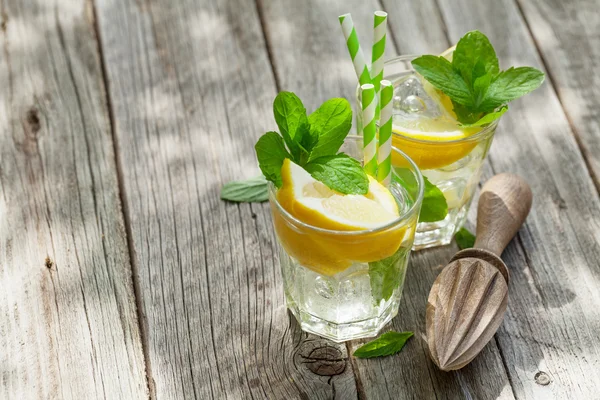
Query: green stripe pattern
(356,54)
(369,104)
(384,169)
(377,58)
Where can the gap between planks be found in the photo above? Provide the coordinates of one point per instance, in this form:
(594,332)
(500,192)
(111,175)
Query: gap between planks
(142,322)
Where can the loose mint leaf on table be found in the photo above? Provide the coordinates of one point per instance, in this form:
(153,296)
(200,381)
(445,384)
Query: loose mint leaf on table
(474,81)
(386,275)
(339,172)
(385,345)
(330,123)
(464,239)
(271,152)
(249,191)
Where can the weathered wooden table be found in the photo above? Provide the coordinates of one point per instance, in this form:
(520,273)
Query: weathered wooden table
(122,274)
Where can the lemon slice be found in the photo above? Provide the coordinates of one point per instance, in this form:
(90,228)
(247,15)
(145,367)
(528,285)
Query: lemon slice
(447,54)
(315,204)
(433,142)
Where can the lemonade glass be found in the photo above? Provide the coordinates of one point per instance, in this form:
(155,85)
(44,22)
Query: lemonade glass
(451,163)
(345,285)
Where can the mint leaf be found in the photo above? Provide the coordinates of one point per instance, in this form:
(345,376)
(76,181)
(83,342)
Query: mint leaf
(480,87)
(290,116)
(330,123)
(250,190)
(488,118)
(435,207)
(510,85)
(306,140)
(472,49)
(387,344)
(443,76)
(464,239)
(386,275)
(341,173)
(271,152)
(465,115)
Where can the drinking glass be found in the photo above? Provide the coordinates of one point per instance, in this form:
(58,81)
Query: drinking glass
(454,166)
(345,285)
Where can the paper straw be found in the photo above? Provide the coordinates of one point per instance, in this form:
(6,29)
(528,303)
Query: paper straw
(369,103)
(379,36)
(384,157)
(358,58)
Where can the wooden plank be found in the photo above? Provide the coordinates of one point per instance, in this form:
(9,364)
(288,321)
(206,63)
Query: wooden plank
(552,326)
(310,59)
(69,326)
(566,34)
(191,90)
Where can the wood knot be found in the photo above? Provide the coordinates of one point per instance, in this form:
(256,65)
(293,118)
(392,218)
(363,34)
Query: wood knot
(325,360)
(48,262)
(542,378)
(4,21)
(33,120)
(31,127)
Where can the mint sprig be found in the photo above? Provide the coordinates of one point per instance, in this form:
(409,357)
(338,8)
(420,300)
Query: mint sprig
(312,142)
(479,90)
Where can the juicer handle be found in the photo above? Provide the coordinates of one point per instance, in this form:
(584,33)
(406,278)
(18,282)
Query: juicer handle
(504,203)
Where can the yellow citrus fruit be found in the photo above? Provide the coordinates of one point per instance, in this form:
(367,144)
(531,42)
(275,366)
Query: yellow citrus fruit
(433,143)
(313,203)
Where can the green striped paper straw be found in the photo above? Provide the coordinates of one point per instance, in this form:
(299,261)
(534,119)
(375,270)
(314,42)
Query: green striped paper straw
(358,58)
(369,104)
(384,157)
(379,36)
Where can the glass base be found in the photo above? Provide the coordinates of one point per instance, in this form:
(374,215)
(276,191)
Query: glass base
(440,233)
(347,331)
(340,307)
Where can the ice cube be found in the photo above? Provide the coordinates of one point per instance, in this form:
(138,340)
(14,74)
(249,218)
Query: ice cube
(411,100)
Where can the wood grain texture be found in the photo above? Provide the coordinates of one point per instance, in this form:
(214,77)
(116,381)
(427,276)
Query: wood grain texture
(69,327)
(311,59)
(566,34)
(191,89)
(552,324)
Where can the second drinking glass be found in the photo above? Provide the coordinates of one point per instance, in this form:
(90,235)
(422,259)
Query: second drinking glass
(448,155)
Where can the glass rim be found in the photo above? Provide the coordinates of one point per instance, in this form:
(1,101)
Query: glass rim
(472,138)
(397,221)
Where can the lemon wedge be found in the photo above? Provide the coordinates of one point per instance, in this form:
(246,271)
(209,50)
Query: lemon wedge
(313,203)
(447,54)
